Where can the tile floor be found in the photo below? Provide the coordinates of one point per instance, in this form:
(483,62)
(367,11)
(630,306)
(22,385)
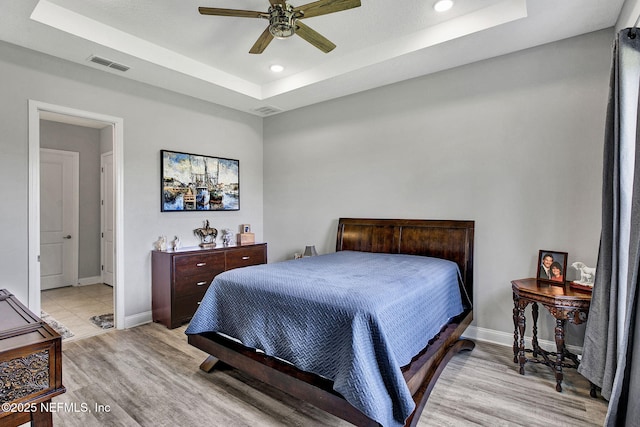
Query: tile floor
(74,305)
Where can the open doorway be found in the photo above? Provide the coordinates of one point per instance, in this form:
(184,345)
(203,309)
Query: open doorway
(74,293)
(110,141)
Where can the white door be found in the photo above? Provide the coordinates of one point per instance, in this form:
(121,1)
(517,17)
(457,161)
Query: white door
(59,171)
(106,166)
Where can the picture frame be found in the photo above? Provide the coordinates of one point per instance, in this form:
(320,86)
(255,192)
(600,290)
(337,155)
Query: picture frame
(246,228)
(552,266)
(194,182)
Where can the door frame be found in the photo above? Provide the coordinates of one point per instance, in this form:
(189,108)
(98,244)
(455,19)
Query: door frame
(35,110)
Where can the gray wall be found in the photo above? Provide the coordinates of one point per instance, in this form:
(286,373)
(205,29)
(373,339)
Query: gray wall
(154,119)
(85,141)
(514,143)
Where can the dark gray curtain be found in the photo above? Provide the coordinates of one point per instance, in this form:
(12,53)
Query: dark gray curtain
(611,352)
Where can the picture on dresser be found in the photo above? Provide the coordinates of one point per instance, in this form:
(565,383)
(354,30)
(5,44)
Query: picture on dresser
(552,266)
(192,182)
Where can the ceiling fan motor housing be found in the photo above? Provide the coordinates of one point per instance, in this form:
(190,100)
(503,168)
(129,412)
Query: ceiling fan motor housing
(281,21)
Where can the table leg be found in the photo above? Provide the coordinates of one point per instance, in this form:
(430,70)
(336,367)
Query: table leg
(41,418)
(522,322)
(534,340)
(516,346)
(559,353)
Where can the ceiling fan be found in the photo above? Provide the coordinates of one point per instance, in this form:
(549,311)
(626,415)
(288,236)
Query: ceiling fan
(284,20)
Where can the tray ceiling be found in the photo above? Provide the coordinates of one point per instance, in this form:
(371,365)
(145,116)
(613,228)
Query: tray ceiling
(169,44)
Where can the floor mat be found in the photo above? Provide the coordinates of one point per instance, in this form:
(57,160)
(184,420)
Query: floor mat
(57,326)
(104,321)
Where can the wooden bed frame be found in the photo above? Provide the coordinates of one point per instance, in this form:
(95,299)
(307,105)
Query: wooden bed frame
(451,240)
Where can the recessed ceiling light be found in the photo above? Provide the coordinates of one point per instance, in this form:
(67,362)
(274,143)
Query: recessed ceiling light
(443,5)
(276,68)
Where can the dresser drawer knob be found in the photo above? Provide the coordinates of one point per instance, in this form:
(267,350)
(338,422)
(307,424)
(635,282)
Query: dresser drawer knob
(246,257)
(201,264)
(201,283)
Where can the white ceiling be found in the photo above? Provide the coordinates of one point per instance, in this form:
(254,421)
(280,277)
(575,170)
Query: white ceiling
(167,43)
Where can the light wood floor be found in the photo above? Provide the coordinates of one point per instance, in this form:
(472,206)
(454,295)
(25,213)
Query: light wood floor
(150,376)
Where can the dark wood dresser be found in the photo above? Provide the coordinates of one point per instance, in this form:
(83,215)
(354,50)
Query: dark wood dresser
(179,279)
(30,365)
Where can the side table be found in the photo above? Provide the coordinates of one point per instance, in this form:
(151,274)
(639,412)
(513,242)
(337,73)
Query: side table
(564,304)
(30,365)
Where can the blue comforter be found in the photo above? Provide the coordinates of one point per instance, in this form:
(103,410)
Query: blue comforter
(352,317)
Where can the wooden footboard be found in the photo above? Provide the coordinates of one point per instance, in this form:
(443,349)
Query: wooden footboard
(285,377)
(424,370)
(421,374)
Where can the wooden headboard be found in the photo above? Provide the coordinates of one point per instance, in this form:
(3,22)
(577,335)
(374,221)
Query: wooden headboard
(448,239)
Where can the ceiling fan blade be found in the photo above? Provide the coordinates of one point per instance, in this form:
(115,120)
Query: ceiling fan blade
(231,12)
(323,7)
(314,37)
(263,41)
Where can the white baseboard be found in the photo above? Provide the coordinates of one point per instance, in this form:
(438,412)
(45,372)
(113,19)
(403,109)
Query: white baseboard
(89,280)
(506,339)
(137,319)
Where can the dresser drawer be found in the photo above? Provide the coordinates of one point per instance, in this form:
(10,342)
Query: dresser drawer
(196,264)
(245,257)
(198,283)
(194,273)
(184,308)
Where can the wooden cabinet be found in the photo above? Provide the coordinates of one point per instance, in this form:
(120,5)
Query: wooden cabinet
(30,365)
(181,278)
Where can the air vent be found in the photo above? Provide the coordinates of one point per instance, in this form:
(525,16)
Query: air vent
(108,63)
(118,67)
(267,110)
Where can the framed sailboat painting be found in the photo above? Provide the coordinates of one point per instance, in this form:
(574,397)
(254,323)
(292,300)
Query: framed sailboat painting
(193,182)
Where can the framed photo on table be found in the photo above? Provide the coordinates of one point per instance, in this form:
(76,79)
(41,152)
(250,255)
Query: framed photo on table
(552,266)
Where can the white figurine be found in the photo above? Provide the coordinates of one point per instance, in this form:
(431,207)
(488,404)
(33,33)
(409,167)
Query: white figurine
(587,274)
(176,243)
(227,234)
(161,243)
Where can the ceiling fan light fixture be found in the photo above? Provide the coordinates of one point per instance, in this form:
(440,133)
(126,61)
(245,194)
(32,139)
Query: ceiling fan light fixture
(281,21)
(443,5)
(281,31)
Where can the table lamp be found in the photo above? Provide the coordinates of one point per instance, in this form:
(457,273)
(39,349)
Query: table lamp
(310,251)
